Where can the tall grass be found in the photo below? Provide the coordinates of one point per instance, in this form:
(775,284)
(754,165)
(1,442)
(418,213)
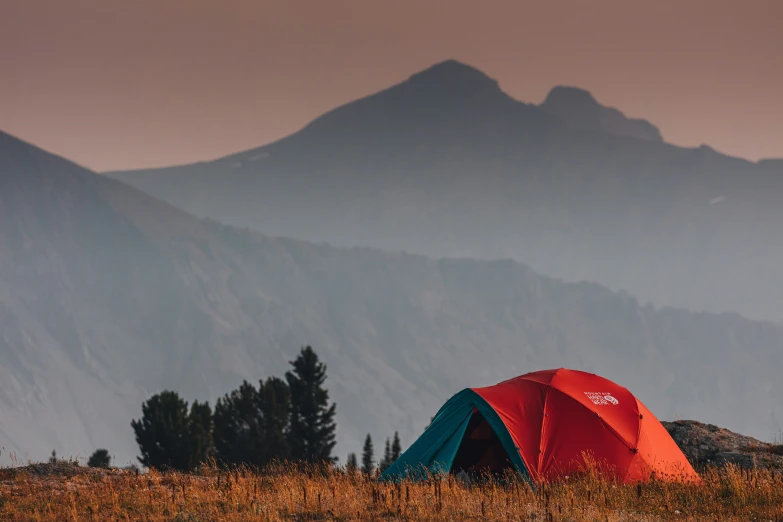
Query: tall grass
(283,492)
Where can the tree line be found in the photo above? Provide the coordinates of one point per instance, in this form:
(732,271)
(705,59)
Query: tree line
(280,419)
(391,452)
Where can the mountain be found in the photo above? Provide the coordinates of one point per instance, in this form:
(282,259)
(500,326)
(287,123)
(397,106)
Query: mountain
(580,110)
(772,164)
(108,295)
(446,164)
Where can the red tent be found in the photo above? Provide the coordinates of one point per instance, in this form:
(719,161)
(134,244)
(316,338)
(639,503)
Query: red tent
(544,424)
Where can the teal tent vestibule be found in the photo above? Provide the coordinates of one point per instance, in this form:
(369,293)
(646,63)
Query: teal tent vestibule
(441,448)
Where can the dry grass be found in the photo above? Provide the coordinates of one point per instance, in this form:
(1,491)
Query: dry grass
(282,493)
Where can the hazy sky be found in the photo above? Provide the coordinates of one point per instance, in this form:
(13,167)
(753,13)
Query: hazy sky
(133,83)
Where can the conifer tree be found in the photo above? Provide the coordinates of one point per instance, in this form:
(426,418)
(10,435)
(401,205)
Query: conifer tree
(100,458)
(200,436)
(275,406)
(351,464)
(396,448)
(252,425)
(238,427)
(387,460)
(312,426)
(163,432)
(368,456)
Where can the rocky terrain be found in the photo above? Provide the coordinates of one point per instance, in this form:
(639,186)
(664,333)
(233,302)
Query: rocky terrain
(706,444)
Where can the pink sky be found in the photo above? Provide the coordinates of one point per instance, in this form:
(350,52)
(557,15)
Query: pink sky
(144,83)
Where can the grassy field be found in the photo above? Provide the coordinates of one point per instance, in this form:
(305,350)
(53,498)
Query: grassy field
(281,493)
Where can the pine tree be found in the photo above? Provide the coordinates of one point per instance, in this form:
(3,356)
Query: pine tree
(200,434)
(275,406)
(163,432)
(252,425)
(312,427)
(396,449)
(238,427)
(368,456)
(387,460)
(351,464)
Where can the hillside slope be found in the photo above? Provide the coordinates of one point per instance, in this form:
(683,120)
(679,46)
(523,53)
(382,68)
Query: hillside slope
(108,295)
(446,164)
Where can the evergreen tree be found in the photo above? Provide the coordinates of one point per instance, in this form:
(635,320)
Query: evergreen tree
(312,426)
(238,427)
(275,405)
(368,456)
(200,437)
(351,464)
(100,458)
(396,448)
(252,425)
(386,461)
(163,432)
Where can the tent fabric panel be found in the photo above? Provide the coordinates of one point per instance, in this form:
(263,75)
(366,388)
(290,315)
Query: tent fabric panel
(569,428)
(615,404)
(541,376)
(444,457)
(659,454)
(437,446)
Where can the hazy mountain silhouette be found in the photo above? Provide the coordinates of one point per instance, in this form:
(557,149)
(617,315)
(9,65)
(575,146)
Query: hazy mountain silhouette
(108,295)
(579,109)
(772,164)
(446,164)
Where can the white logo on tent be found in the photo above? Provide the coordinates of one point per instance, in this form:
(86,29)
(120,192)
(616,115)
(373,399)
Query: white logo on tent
(602,398)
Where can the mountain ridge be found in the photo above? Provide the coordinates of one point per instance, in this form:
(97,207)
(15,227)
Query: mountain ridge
(447,80)
(579,108)
(472,172)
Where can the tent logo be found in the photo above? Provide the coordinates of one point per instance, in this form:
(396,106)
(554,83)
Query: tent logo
(602,398)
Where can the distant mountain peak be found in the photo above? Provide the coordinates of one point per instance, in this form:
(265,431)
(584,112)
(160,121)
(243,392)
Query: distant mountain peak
(452,74)
(579,109)
(440,101)
(565,95)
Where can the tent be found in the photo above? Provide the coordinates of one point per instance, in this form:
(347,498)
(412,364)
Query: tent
(543,425)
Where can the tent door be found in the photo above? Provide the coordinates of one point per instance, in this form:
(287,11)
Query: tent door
(480,450)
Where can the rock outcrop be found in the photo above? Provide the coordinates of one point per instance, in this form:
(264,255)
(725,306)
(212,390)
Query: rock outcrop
(706,444)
